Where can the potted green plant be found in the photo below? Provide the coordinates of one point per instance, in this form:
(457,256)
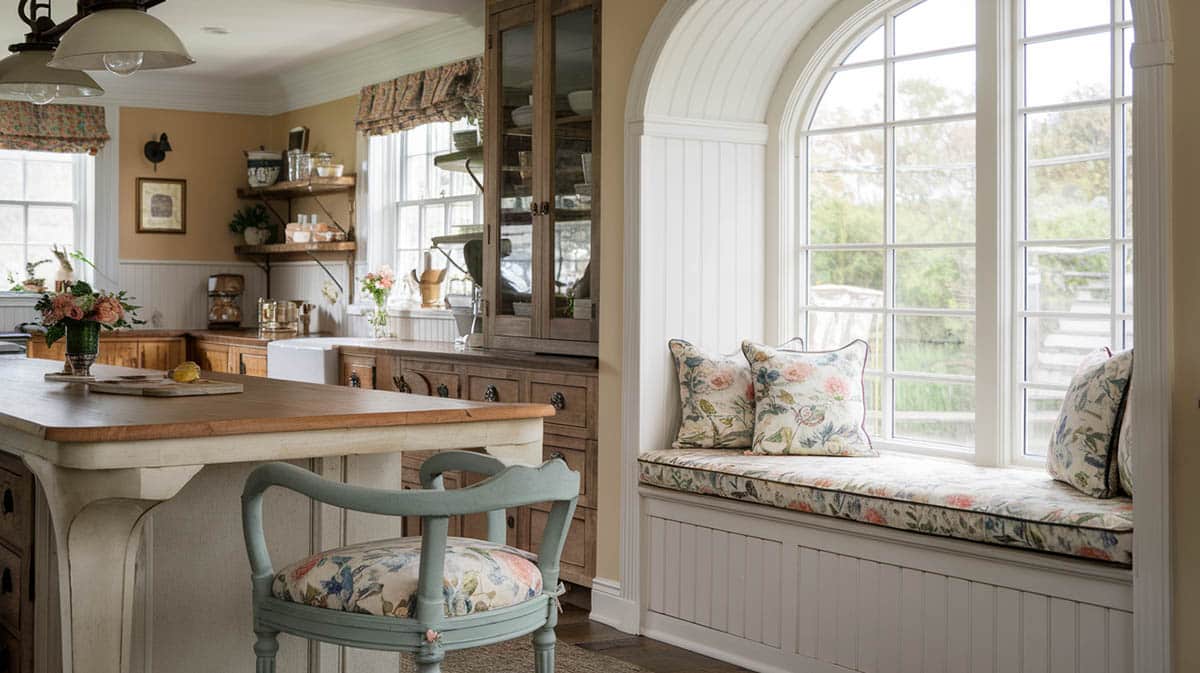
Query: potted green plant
(253,223)
(31,283)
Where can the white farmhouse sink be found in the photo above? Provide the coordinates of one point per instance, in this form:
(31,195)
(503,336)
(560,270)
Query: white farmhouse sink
(310,360)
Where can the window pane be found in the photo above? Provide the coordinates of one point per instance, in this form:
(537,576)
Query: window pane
(12,265)
(51,225)
(850,279)
(853,97)
(435,224)
(846,188)
(1069,200)
(440,137)
(1041,413)
(415,176)
(1074,279)
(49,180)
(1128,170)
(462,214)
(417,141)
(12,178)
(935,412)
(1067,134)
(942,278)
(935,24)
(409,260)
(12,224)
(1127,63)
(1052,16)
(936,86)
(1054,347)
(935,345)
(873,394)
(870,49)
(831,330)
(410,228)
(935,183)
(1065,71)
(1128,279)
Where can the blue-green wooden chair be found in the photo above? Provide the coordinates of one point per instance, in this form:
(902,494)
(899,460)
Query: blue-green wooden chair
(427,630)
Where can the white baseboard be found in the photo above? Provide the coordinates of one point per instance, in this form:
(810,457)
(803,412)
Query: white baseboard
(610,609)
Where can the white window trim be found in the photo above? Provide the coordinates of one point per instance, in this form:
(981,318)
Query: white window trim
(999,163)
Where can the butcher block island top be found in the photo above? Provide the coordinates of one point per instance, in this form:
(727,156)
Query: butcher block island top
(68,413)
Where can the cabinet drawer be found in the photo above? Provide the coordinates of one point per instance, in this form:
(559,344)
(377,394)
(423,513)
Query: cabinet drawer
(574,452)
(572,400)
(212,357)
(493,388)
(16,509)
(579,553)
(426,382)
(358,371)
(10,589)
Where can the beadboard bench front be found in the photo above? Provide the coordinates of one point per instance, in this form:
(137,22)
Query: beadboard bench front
(778,590)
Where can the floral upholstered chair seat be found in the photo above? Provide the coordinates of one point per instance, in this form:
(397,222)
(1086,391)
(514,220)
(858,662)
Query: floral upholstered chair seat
(1005,506)
(380,578)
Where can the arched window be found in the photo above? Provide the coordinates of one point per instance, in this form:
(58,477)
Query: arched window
(964,207)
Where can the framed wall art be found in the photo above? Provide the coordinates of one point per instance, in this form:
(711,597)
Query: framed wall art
(161,206)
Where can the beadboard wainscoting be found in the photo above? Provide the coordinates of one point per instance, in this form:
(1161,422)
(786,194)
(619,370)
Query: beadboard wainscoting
(13,312)
(774,590)
(174,294)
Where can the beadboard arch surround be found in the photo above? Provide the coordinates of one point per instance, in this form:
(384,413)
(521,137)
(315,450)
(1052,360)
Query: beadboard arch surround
(712,113)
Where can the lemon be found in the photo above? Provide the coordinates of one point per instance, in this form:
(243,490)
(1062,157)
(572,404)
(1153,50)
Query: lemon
(186,372)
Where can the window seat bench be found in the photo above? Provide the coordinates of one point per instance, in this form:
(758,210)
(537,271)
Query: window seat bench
(1002,506)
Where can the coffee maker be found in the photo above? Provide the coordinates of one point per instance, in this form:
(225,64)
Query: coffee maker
(225,300)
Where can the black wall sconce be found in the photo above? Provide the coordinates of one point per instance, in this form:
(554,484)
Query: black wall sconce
(156,150)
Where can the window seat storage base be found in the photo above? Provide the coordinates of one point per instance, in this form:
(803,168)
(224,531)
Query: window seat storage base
(1009,507)
(777,590)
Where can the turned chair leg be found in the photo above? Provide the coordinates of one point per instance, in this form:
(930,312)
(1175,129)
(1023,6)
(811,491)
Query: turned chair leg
(265,648)
(429,659)
(543,649)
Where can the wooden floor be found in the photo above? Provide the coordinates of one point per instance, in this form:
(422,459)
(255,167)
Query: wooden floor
(656,657)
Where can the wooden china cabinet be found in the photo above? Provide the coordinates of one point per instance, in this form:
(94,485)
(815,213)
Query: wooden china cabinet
(542,155)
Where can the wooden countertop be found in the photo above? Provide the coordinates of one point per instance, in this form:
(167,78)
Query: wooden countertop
(62,412)
(480,356)
(240,337)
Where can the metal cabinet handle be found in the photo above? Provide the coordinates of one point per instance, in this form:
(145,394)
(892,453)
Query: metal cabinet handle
(511,521)
(558,401)
(10,502)
(355,381)
(443,391)
(558,455)
(491,394)
(401,385)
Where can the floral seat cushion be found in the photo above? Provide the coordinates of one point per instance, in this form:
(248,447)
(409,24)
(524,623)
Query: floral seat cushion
(1005,506)
(380,578)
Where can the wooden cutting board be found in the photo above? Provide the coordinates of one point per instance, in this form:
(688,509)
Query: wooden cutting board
(164,387)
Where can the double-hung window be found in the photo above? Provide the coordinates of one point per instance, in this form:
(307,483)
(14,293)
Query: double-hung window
(979,287)
(415,201)
(43,203)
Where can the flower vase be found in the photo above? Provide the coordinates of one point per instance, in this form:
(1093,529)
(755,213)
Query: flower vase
(83,342)
(379,322)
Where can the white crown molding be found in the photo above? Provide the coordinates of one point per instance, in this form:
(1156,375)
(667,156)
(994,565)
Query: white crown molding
(171,90)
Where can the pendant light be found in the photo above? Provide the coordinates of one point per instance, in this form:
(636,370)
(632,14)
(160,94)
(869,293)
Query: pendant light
(120,37)
(25,74)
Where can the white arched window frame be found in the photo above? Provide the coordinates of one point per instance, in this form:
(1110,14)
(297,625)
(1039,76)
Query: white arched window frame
(1008,422)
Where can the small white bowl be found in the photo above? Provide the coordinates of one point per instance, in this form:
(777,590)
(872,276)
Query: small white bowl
(580,101)
(523,116)
(334,171)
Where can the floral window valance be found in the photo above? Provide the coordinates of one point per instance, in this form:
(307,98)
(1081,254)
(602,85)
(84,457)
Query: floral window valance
(441,94)
(71,129)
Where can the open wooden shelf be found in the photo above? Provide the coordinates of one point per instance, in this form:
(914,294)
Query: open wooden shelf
(297,248)
(300,188)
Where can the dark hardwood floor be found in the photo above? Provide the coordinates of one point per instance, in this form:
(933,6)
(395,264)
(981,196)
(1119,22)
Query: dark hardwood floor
(656,657)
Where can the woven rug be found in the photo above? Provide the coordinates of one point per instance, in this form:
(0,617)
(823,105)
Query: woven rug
(516,656)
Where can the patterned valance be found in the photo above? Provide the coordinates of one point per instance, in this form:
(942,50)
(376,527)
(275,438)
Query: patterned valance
(446,93)
(69,129)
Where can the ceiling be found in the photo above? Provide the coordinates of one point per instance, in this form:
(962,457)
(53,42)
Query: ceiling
(266,37)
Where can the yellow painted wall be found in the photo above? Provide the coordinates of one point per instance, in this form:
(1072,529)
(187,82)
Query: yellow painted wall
(208,154)
(624,28)
(1185,453)
(330,129)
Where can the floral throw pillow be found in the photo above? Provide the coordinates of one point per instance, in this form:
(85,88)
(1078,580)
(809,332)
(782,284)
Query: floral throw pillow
(716,397)
(809,403)
(1125,447)
(1082,449)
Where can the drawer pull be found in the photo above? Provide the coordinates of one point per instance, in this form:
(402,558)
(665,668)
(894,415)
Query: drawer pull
(355,381)
(6,583)
(401,385)
(511,521)
(558,401)
(10,503)
(558,455)
(491,394)
(443,391)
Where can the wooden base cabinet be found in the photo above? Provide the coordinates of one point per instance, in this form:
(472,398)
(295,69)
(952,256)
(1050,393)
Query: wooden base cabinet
(16,566)
(121,350)
(478,376)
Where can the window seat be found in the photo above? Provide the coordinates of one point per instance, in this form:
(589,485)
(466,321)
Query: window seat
(1003,506)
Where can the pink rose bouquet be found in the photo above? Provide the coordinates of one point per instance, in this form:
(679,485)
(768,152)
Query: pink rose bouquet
(79,304)
(378,285)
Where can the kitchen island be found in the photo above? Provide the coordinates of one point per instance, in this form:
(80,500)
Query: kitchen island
(105,462)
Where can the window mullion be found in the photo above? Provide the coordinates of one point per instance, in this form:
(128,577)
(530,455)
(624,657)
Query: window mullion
(887,383)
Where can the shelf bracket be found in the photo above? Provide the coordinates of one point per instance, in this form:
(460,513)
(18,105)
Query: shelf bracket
(329,273)
(265,266)
(467,165)
(328,214)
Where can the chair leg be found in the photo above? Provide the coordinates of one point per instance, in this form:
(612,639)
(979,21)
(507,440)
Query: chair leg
(265,647)
(429,659)
(543,649)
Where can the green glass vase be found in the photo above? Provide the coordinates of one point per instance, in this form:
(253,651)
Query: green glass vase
(83,342)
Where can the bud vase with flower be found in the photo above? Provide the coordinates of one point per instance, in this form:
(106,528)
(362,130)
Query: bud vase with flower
(79,313)
(378,285)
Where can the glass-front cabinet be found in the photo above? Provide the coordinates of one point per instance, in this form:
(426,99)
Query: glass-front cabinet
(542,147)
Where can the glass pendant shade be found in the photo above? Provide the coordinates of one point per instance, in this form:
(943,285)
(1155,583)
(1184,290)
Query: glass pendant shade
(121,41)
(25,75)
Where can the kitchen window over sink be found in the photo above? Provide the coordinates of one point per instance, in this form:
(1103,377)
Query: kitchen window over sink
(412,201)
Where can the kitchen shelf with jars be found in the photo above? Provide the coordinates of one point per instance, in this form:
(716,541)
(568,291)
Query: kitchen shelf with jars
(297,235)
